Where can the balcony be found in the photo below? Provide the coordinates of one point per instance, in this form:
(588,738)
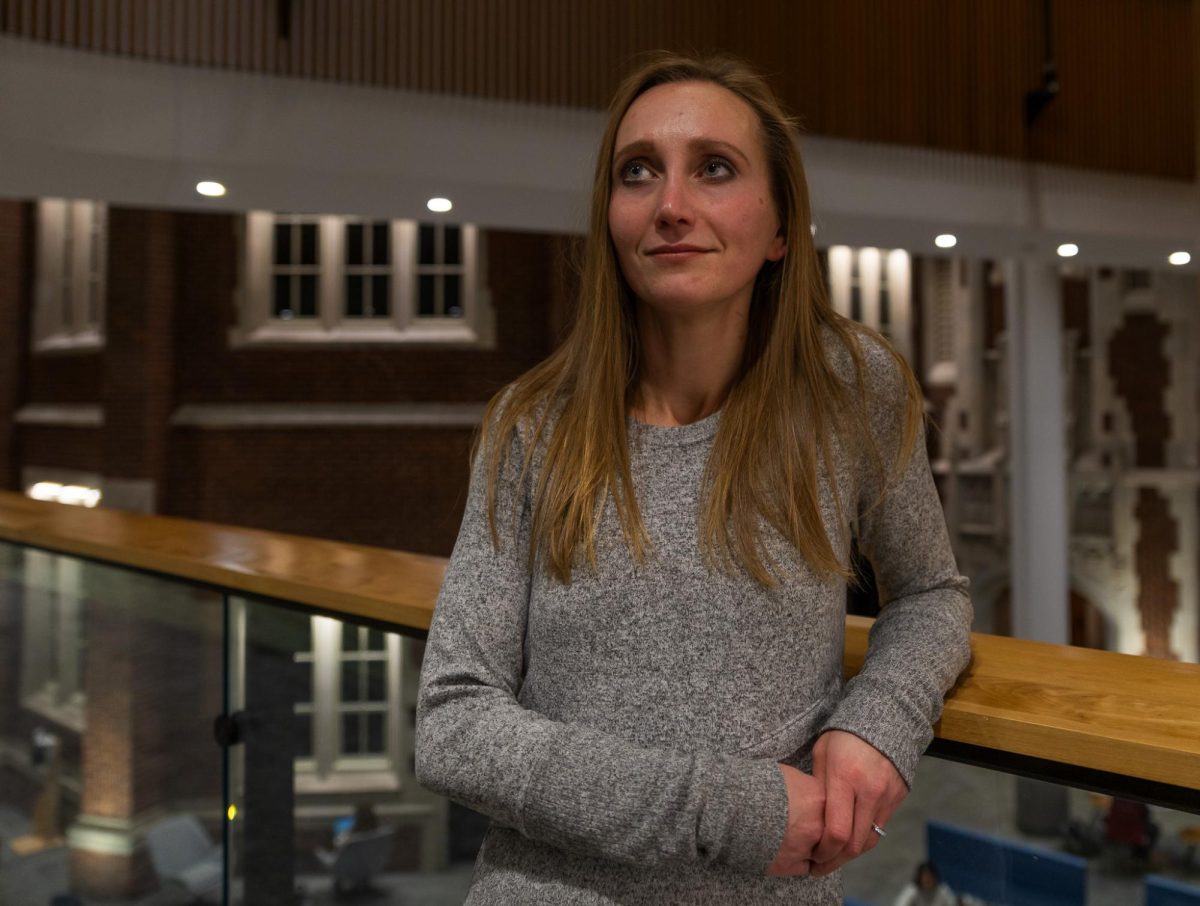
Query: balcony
(190,710)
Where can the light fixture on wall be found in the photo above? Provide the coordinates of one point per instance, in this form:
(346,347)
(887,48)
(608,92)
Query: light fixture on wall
(945,240)
(210,188)
(1068,250)
(1179,258)
(439,205)
(70,494)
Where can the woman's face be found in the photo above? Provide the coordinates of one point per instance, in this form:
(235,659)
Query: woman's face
(691,213)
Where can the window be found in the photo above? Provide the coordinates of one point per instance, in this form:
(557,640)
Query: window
(348,723)
(439,271)
(69,294)
(295,268)
(323,278)
(54,649)
(369,269)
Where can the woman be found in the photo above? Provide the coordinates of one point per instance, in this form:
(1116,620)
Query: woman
(926,889)
(637,649)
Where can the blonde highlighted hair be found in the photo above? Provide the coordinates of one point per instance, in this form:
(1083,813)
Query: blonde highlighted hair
(778,423)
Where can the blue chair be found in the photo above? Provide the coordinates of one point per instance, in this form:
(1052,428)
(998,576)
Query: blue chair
(1162,891)
(1005,871)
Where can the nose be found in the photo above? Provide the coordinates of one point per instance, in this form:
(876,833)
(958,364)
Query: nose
(674,202)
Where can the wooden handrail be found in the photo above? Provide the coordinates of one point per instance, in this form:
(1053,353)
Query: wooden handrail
(366,582)
(1133,716)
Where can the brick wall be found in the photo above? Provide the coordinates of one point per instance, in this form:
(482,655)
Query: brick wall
(138,366)
(15,281)
(171,284)
(73,377)
(520,273)
(1158,593)
(398,488)
(58,447)
(1140,370)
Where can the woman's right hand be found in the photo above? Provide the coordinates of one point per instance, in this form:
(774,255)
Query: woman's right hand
(805,825)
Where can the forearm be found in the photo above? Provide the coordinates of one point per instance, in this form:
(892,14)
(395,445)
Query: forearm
(918,647)
(591,793)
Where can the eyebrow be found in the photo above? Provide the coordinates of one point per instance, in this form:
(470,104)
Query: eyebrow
(643,146)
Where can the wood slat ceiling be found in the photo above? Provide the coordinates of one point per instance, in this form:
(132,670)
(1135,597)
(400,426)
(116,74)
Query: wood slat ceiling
(948,74)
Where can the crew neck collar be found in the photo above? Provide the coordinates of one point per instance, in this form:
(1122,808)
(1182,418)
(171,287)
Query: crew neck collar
(673,435)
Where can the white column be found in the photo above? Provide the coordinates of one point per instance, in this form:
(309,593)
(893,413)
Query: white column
(899,280)
(968,354)
(840,264)
(1039,487)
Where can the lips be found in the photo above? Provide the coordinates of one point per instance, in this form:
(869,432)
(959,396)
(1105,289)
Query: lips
(676,251)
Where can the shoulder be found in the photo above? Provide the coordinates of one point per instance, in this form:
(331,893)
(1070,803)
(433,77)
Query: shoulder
(516,426)
(862,358)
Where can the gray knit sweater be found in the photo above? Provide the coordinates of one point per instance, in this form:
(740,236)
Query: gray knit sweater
(622,731)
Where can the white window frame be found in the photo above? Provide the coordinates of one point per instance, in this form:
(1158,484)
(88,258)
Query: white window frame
(327,770)
(69,293)
(329,765)
(256,324)
(52,681)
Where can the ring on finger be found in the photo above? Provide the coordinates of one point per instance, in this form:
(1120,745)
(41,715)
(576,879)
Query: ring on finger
(879,830)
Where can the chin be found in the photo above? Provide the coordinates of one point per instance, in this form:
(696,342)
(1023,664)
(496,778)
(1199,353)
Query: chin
(679,303)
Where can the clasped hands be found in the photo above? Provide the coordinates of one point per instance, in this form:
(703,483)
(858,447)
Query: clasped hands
(830,812)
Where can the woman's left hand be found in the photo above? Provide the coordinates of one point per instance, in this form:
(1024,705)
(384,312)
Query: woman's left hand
(862,787)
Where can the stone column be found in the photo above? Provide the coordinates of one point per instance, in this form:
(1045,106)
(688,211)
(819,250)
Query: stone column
(138,356)
(1038,490)
(272,682)
(119,780)
(1039,486)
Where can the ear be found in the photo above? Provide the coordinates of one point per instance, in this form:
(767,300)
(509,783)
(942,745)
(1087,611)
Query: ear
(778,247)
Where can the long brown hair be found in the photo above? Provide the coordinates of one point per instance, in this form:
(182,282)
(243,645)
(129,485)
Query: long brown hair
(784,410)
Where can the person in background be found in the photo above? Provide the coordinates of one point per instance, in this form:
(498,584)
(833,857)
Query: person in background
(1128,824)
(926,889)
(364,821)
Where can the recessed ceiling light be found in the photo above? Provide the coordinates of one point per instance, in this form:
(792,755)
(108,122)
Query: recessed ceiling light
(945,241)
(1068,250)
(1179,257)
(210,188)
(439,205)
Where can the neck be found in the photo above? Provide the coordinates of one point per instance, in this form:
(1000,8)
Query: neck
(687,363)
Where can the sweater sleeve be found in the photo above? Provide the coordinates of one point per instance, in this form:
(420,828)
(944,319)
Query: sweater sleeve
(921,640)
(564,784)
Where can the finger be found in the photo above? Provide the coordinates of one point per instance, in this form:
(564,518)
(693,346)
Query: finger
(864,836)
(839,821)
(818,758)
(821,869)
(790,868)
(889,804)
(885,809)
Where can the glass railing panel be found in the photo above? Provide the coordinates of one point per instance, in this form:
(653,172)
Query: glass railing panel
(322,778)
(998,839)
(110,778)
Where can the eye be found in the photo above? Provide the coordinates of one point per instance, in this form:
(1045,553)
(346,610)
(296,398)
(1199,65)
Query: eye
(634,171)
(717,168)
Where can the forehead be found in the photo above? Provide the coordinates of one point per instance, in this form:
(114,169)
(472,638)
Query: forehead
(690,110)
